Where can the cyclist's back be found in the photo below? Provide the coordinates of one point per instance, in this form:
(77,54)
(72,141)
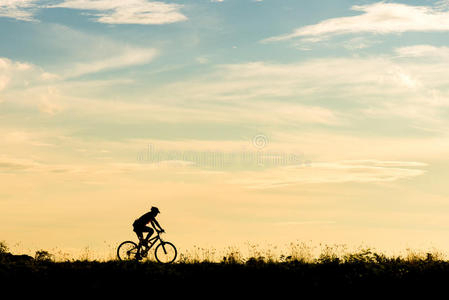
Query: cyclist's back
(145,219)
(139,225)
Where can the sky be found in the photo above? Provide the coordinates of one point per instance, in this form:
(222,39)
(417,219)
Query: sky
(244,121)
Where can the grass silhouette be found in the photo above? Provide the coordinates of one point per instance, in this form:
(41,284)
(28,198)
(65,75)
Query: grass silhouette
(333,271)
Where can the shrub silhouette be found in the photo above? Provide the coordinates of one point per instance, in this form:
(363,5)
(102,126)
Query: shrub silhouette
(3,247)
(43,255)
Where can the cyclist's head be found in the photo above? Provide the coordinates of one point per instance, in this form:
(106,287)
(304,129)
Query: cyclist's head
(155,209)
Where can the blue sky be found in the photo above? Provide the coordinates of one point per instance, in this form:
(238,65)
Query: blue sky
(357,88)
(223,32)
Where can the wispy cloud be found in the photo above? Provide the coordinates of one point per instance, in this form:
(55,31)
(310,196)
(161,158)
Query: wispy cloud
(18,9)
(25,75)
(359,171)
(424,51)
(9,164)
(379,18)
(311,222)
(87,53)
(357,90)
(384,86)
(108,11)
(376,87)
(129,11)
(128,56)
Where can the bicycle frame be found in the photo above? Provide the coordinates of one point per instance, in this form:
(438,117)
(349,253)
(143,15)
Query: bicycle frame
(151,242)
(165,252)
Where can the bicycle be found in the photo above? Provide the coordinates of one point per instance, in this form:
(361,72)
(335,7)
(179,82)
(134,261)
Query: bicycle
(165,252)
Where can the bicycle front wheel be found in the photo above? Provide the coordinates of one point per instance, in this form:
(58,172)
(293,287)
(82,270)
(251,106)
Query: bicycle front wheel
(127,251)
(165,253)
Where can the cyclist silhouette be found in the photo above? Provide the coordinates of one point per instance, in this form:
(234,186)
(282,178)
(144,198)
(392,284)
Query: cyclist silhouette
(140,224)
(164,252)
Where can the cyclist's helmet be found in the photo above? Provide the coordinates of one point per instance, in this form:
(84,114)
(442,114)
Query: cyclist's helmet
(155,209)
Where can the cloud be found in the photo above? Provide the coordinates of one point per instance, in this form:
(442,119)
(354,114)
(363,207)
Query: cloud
(129,11)
(87,53)
(202,60)
(358,43)
(358,171)
(8,164)
(125,57)
(26,76)
(22,139)
(48,105)
(18,9)
(345,93)
(312,222)
(442,4)
(378,18)
(348,92)
(381,163)
(109,11)
(333,91)
(23,78)
(423,51)
(21,74)
(271,81)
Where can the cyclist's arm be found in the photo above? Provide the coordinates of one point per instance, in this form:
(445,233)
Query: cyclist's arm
(154,223)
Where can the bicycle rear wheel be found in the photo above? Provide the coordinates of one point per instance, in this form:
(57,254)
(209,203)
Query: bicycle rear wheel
(127,251)
(165,253)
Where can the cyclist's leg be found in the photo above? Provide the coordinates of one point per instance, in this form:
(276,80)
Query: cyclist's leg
(139,231)
(149,230)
